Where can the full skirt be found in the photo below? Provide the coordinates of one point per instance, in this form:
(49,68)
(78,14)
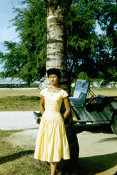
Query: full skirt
(51,143)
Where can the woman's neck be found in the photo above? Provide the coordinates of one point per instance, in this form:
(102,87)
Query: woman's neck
(55,86)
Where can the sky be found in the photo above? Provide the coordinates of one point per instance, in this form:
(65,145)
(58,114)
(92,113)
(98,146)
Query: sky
(7,31)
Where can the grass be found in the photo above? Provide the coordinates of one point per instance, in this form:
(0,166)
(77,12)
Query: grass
(19,100)
(17,161)
(19,103)
(19,92)
(105,91)
(28,100)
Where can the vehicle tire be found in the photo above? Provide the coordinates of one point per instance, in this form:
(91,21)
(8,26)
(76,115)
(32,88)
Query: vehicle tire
(114,124)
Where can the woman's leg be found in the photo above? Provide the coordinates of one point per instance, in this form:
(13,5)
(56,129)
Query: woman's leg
(53,167)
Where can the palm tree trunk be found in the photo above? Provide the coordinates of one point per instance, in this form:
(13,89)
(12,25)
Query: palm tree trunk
(56,38)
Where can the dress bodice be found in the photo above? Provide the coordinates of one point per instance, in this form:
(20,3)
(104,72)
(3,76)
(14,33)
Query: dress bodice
(53,101)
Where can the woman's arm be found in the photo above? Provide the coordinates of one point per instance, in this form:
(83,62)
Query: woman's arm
(67,107)
(42,109)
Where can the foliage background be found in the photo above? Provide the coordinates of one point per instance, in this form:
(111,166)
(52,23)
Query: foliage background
(89,55)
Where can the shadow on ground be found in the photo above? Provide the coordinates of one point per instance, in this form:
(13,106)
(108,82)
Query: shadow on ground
(89,165)
(94,128)
(14,156)
(97,164)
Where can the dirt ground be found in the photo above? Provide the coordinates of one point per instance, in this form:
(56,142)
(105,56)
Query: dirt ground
(98,149)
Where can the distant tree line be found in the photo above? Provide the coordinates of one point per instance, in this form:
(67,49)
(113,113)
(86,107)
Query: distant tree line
(89,55)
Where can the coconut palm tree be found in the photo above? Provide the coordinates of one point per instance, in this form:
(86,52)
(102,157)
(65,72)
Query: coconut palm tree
(57,57)
(56,37)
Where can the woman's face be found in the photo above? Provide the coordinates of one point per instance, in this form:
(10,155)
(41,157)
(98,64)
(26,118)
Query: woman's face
(53,79)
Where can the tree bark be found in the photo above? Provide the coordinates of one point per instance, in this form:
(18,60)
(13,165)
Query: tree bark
(56,38)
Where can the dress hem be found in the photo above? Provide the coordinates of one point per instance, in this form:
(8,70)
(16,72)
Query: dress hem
(53,160)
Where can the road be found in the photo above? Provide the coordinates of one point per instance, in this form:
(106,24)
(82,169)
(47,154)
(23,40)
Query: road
(11,120)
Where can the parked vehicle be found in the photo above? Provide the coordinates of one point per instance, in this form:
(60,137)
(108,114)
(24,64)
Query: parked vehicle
(96,109)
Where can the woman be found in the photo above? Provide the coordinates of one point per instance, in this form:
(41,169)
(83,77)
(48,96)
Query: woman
(52,144)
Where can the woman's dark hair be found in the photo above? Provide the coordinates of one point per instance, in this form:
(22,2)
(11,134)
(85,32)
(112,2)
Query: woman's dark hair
(54,71)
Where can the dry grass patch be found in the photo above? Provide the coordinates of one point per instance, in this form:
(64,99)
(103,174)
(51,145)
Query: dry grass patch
(19,92)
(105,91)
(28,100)
(19,100)
(19,161)
(19,103)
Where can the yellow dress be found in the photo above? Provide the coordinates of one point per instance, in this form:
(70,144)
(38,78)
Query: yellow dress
(51,143)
